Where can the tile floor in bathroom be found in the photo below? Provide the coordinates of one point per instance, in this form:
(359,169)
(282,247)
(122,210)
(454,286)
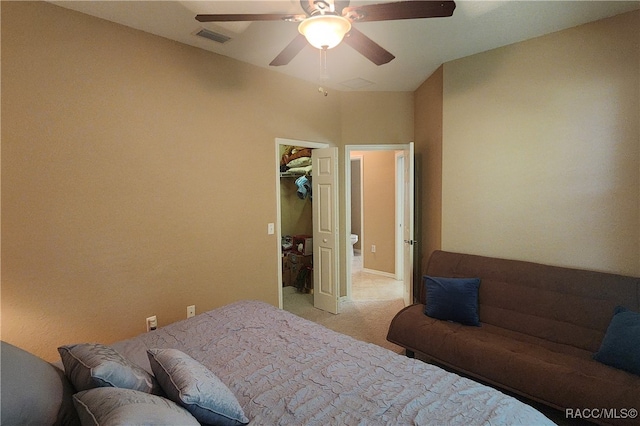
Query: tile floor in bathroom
(371,286)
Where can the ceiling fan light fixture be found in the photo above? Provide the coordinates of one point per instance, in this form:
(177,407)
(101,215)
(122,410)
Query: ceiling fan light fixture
(324,31)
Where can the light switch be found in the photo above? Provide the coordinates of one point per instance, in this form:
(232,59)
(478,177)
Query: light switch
(271,228)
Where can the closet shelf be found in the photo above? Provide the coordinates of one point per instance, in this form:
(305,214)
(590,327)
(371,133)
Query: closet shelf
(293,174)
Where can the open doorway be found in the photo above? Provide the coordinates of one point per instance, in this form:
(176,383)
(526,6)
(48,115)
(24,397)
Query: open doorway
(310,250)
(377,199)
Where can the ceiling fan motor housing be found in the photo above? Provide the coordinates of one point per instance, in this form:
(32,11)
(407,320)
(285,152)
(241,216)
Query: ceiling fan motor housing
(315,7)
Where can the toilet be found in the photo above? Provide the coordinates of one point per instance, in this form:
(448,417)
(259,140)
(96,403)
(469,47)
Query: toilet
(354,239)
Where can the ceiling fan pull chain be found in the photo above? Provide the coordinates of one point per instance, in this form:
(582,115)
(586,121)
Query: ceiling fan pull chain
(324,73)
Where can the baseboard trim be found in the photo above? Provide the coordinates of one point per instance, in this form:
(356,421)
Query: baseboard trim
(376,272)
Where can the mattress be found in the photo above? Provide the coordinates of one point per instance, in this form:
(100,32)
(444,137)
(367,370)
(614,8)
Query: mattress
(285,370)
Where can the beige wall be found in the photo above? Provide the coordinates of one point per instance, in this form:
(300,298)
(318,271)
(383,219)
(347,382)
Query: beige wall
(379,192)
(376,118)
(428,152)
(132,179)
(138,174)
(541,149)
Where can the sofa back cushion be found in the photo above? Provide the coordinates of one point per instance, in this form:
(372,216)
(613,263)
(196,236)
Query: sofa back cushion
(563,305)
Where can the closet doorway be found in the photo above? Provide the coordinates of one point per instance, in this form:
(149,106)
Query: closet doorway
(293,261)
(380,222)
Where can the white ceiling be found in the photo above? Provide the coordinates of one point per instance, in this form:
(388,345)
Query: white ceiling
(420,45)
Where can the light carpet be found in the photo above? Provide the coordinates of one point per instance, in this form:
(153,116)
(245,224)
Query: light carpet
(366,320)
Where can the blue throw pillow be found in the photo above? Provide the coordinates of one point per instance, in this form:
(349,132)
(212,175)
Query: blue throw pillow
(118,406)
(92,365)
(196,388)
(620,347)
(453,299)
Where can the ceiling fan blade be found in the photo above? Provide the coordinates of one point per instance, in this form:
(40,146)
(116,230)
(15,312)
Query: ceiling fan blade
(399,10)
(289,52)
(226,17)
(367,47)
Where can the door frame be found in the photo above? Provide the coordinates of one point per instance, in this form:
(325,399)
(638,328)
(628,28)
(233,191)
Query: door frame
(347,155)
(278,224)
(400,158)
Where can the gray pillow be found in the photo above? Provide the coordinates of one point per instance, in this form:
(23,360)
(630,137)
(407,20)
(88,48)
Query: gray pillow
(92,365)
(114,406)
(196,388)
(34,391)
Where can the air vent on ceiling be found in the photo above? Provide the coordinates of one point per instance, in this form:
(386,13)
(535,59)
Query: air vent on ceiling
(211,35)
(357,83)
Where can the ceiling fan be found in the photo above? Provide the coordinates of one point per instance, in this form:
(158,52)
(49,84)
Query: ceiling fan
(326,23)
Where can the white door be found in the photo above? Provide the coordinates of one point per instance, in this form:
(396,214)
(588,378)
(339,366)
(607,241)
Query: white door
(326,291)
(408,222)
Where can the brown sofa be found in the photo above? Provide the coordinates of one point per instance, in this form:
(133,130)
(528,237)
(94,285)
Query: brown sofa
(540,326)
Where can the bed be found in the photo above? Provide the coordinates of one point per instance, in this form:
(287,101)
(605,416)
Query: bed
(285,370)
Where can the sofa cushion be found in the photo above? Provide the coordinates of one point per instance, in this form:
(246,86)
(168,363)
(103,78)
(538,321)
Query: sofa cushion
(107,406)
(563,305)
(453,299)
(34,391)
(558,375)
(91,365)
(621,344)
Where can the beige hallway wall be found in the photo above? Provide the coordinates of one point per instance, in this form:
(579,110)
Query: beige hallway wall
(378,188)
(356,201)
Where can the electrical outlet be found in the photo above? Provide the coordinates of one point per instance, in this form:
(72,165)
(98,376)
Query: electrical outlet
(152,323)
(271,228)
(191,311)
(373,248)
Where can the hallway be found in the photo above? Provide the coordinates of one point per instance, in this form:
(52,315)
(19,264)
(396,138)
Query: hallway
(371,286)
(365,287)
